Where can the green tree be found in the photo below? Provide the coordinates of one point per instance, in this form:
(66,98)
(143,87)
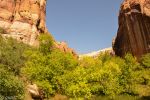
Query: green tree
(74,83)
(130,74)
(145,60)
(46,43)
(11,54)
(10,86)
(47,68)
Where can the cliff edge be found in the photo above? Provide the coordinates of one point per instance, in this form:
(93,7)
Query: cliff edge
(23,19)
(134,28)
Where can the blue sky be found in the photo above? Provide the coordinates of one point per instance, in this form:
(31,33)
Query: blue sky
(86,25)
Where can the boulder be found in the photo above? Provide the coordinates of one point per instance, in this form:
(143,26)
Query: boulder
(34,91)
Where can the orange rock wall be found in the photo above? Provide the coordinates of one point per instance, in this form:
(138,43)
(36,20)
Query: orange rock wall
(23,19)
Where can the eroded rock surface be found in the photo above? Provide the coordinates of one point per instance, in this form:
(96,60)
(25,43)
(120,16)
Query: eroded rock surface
(134,28)
(34,91)
(23,19)
(64,47)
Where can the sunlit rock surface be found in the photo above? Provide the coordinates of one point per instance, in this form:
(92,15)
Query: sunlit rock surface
(63,46)
(23,19)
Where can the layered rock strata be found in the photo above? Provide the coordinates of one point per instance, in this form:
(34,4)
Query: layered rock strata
(23,19)
(134,28)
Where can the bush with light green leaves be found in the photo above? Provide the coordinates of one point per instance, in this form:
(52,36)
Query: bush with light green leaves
(46,43)
(11,87)
(145,60)
(45,69)
(11,54)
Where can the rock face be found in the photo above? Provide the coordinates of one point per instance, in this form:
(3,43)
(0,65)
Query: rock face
(34,91)
(23,19)
(64,47)
(134,28)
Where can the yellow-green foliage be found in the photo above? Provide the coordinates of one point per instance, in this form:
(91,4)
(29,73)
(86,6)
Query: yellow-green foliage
(47,68)
(46,43)
(11,54)
(56,72)
(146,60)
(11,88)
(105,75)
(11,61)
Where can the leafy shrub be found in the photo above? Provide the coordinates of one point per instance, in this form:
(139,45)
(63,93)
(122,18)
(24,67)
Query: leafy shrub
(61,73)
(104,57)
(129,74)
(10,86)
(74,83)
(145,60)
(90,62)
(46,43)
(92,78)
(45,86)
(11,54)
(2,31)
(47,68)
(145,73)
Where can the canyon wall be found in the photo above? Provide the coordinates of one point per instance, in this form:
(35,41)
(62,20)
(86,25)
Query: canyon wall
(23,19)
(134,28)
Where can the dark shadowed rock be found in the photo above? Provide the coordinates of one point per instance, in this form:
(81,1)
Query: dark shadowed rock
(134,28)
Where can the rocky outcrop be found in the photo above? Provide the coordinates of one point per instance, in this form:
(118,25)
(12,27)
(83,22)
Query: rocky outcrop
(34,91)
(64,48)
(134,28)
(23,19)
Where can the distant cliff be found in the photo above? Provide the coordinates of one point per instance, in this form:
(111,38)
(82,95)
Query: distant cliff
(23,19)
(134,28)
(95,54)
(63,46)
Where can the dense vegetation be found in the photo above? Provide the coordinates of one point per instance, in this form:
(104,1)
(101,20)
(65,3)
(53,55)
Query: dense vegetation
(56,72)
(11,62)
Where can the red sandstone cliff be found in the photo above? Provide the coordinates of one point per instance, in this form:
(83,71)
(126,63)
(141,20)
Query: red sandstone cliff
(134,28)
(23,19)
(64,47)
